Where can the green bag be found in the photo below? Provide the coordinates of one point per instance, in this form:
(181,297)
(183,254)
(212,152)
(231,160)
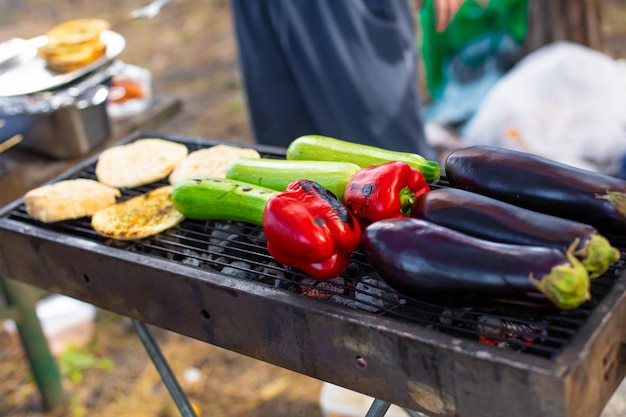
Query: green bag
(473,22)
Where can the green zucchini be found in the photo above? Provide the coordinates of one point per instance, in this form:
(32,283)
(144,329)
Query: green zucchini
(221,199)
(324,148)
(277,174)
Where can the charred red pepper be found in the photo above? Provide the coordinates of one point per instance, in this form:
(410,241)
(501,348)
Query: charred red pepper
(384,191)
(308,228)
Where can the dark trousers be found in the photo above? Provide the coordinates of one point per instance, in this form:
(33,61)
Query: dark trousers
(340,68)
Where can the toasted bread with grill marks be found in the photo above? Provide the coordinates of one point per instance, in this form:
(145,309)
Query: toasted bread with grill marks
(139,217)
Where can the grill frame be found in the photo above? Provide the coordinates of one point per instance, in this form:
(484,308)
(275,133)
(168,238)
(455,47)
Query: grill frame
(406,364)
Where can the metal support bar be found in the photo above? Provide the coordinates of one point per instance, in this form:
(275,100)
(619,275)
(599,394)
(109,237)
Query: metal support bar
(378,409)
(168,377)
(22,299)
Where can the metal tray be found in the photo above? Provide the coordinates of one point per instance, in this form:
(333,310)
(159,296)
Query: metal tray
(206,281)
(29,73)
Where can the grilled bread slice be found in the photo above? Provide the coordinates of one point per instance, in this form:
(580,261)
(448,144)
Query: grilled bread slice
(76,31)
(138,163)
(70,57)
(140,217)
(69,199)
(210,162)
(74,43)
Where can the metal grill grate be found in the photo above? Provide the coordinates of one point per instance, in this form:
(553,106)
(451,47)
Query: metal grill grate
(238,250)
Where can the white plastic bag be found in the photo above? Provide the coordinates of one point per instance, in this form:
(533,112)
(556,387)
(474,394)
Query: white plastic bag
(564,101)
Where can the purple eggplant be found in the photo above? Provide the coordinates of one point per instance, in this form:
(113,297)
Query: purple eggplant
(425,260)
(492,219)
(543,185)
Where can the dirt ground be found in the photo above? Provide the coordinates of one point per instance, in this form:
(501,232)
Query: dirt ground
(191,52)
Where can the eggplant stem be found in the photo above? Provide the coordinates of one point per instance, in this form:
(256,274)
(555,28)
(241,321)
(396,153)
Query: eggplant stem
(566,285)
(597,255)
(617,200)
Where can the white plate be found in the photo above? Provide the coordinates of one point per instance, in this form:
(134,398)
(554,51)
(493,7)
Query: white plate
(30,74)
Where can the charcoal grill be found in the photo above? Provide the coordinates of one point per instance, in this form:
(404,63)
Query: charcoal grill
(215,281)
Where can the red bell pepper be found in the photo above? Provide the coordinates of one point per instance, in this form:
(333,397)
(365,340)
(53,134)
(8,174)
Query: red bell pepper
(384,191)
(308,228)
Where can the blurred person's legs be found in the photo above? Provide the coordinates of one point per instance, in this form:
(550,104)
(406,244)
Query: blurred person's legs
(346,69)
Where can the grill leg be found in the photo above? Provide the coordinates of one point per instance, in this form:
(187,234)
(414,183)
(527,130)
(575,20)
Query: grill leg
(379,408)
(168,377)
(21,301)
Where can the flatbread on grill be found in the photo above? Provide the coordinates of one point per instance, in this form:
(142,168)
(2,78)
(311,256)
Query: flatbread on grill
(69,199)
(210,162)
(139,217)
(138,163)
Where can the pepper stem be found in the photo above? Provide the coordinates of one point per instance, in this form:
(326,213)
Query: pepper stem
(407,198)
(597,255)
(566,285)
